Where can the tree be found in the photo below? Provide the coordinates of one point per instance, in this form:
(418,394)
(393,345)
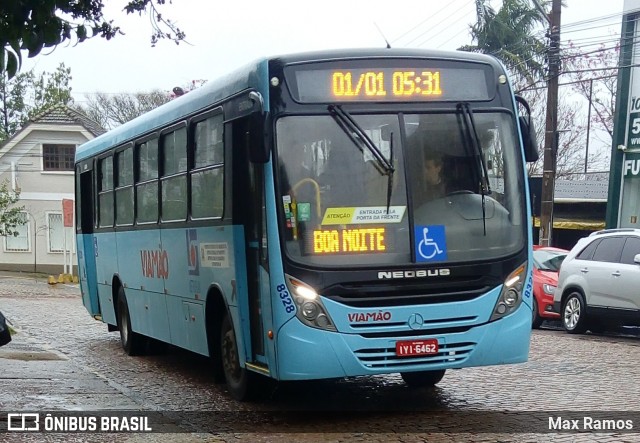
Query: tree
(594,77)
(510,35)
(13,107)
(50,89)
(11,216)
(28,94)
(32,25)
(113,110)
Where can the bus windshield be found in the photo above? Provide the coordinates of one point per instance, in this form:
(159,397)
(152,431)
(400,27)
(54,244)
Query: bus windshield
(426,200)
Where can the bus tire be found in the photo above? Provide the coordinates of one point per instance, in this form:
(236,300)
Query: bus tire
(536,320)
(132,342)
(422,379)
(238,378)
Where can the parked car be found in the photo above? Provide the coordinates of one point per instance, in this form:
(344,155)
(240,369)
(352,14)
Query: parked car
(5,333)
(546,264)
(599,282)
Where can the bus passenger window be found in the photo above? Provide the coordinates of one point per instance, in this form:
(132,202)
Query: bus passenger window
(174,178)
(207,176)
(124,187)
(147,182)
(105,193)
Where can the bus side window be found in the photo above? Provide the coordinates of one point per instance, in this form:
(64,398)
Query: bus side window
(207,175)
(147,181)
(124,187)
(174,175)
(105,192)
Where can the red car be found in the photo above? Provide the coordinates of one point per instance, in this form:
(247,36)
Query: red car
(546,265)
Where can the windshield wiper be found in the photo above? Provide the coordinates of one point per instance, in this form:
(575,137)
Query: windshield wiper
(360,138)
(470,137)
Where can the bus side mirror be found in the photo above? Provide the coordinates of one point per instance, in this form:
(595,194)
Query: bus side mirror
(528,132)
(254,130)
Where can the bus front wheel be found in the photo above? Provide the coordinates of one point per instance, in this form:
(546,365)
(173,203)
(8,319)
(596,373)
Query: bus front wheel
(132,342)
(237,377)
(422,379)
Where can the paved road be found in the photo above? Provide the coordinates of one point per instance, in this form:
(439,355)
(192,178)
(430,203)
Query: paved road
(62,359)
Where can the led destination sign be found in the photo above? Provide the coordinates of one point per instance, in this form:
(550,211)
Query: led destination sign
(406,80)
(374,84)
(341,241)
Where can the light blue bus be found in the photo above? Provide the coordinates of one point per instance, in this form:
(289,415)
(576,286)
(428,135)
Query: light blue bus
(318,215)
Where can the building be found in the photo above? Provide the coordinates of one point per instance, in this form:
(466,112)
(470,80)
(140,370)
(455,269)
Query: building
(624,185)
(579,208)
(38,161)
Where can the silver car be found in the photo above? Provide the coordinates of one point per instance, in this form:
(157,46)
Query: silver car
(599,282)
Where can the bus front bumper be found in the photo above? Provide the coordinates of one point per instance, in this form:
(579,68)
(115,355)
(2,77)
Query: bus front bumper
(306,353)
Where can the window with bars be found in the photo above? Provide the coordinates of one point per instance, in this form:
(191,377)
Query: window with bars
(58,157)
(56,232)
(20,242)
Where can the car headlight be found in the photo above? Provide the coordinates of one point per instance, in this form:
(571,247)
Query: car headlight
(511,295)
(310,309)
(548,289)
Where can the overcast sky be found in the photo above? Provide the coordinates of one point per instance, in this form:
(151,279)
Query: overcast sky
(223,35)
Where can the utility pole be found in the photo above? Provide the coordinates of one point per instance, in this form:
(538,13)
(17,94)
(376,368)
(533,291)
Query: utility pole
(550,136)
(586,147)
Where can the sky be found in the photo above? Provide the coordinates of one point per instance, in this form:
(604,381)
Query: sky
(222,35)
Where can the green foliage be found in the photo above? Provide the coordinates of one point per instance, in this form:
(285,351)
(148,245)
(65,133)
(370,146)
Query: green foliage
(511,34)
(11,216)
(13,106)
(28,94)
(32,25)
(51,89)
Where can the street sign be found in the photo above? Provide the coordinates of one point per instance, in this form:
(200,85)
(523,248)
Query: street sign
(67,212)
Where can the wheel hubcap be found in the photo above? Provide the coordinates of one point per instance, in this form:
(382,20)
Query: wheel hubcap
(572,313)
(230,356)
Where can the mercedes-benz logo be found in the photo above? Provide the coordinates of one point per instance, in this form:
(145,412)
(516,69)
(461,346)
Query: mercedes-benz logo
(415,321)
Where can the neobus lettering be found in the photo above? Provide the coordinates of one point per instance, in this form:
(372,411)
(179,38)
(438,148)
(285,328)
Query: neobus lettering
(155,264)
(414,274)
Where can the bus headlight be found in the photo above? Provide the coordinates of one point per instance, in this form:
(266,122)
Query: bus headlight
(511,294)
(310,309)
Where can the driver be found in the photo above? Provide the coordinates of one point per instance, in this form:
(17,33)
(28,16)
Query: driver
(433,184)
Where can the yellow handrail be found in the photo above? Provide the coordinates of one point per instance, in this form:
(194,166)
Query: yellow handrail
(317,188)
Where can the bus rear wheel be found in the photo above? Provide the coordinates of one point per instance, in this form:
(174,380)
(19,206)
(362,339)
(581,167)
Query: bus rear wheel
(238,378)
(422,379)
(132,342)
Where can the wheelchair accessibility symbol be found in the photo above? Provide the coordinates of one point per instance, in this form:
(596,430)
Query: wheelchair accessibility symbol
(431,243)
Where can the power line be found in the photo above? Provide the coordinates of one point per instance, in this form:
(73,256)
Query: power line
(422,22)
(461,8)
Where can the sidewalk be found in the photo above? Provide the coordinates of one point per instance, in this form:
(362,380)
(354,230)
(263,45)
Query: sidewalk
(32,285)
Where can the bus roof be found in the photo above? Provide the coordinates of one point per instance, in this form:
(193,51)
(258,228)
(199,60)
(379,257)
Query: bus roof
(318,56)
(252,75)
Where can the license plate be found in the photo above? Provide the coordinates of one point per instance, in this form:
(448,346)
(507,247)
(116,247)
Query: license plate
(411,348)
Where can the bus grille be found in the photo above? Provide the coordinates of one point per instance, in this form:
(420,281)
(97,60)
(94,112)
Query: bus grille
(379,294)
(386,358)
(449,325)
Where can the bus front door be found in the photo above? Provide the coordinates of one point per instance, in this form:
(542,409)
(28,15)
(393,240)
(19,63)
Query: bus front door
(86,241)
(248,211)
